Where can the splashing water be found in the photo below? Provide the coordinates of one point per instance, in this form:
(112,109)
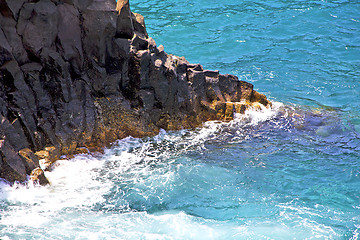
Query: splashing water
(234,180)
(291,172)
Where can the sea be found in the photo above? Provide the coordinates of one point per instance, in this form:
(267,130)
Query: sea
(287,172)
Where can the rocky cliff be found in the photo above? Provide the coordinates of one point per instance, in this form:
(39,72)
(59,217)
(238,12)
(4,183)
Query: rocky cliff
(76,75)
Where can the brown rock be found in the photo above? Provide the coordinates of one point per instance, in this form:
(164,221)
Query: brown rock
(29,159)
(261,98)
(139,24)
(81,150)
(37,176)
(49,153)
(43,154)
(240,108)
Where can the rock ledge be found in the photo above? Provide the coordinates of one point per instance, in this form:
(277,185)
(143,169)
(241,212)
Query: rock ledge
(77,75)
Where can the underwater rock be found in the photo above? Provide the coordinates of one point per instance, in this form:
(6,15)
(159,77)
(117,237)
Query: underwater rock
(82,74)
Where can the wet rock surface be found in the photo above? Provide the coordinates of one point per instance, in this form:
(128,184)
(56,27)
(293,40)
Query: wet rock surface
(81,74)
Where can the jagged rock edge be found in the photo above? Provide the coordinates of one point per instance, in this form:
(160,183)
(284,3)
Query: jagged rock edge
(78,75)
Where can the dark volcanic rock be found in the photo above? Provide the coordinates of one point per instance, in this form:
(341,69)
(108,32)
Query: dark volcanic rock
(76,74)
(12,167)
(124,23)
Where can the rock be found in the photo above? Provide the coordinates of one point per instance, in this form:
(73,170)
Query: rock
(124,23)
(18,51)
(148,99)
(139,24)
(37,25)
(77,75)
(11,165)
(5,49)
(79,4)
(29,159)
(81,150)
(43,154)
(211,74)
(15,6)
(11,132)
(49,155)
(69,35)
(139,42)
(196,67)
(38,176)
(260,98)
(5,9)
(99,28)
(102,5)
(161,49)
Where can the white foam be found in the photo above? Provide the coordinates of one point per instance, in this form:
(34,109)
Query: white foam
(73,185)
(356,233)
(174,225)
(66,208)
(255,115)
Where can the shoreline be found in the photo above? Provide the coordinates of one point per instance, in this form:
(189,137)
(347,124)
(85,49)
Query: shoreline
(82,75)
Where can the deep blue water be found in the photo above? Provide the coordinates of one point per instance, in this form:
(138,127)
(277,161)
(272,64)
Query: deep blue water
(291,172)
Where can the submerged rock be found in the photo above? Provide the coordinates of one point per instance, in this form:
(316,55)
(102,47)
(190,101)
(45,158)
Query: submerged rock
(76,74)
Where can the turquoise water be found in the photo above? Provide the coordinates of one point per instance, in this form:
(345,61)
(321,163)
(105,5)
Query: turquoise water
(291,172)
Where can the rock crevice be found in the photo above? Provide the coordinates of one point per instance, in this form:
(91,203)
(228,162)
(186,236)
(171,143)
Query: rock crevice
(78,75)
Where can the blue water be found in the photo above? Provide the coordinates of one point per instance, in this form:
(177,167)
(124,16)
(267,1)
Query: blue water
(291,172)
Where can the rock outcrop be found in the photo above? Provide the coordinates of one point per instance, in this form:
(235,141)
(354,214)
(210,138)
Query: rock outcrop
(79,74)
